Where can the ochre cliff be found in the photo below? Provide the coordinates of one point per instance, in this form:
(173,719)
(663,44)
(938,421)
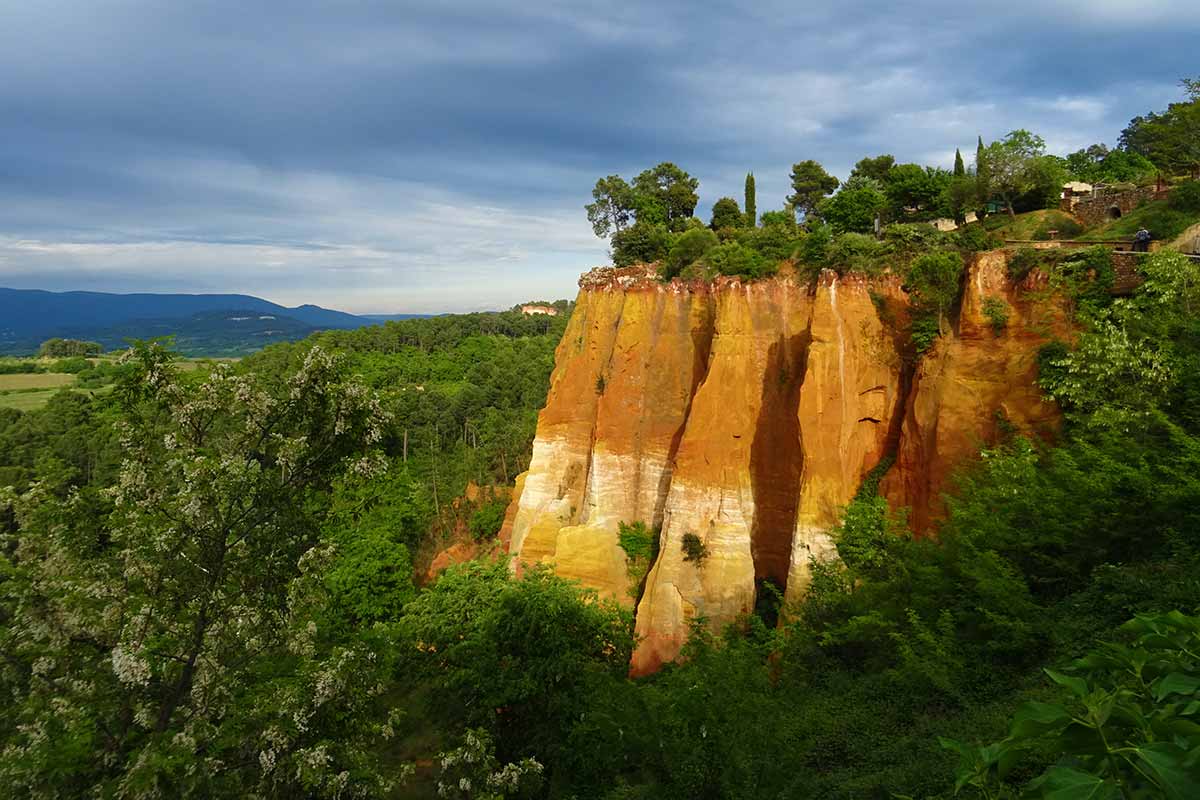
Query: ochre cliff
(747,415)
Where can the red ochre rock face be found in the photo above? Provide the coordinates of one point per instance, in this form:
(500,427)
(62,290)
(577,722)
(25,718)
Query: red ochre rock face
(747,415)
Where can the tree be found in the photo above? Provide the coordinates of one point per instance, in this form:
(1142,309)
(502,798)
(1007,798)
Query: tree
(726,214)
(983,178)
(1011,164)
(914,191)
(65,348)
(1171,138)
(876,168)
(180,636)
(750,202)
(810,183)
(613,207)
(932,281)
(688,248)
(668,191)
(855,206)
(640,243)
(959,169)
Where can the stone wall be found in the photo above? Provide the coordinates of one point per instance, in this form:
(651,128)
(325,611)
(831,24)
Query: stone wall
(1093,211)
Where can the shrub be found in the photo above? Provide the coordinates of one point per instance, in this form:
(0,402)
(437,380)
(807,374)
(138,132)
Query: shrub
(1066,227)
(924,332)
(641,548)
(908,238)
(693,548)
(816,244)
(1049,358)
(932,280)
(1185,197)
(995,311)
(773,242)
(640,243)
(1023,262)
(732,258)
(688,248)
(976,238)
(854,252)
(71,366)
(487,521)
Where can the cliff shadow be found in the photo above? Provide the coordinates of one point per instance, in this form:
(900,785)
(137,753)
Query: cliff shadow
(776,459)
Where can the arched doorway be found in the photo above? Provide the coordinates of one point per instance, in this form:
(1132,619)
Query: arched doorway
(1114,213)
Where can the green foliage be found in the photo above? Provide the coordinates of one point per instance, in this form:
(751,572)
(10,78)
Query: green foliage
(751,204)
(733,258)
(515,657)
(815,247)
(1015,166)
(191,620)
(975,238)
(1098,164)
(694,549)
(1122,725)
(641,549)
(855,206)
(1024,261)
(915,192)
(1157,216)
(1170,138)
(995,311)
(876,168)
(665,195)
(488,519)
(613,206)
(1185,197)
(855,252)
(932,280)
(1066,227)
(65,348)
(640,243)
(687,250)
(810,183)
(923,332)
(726,214)
(472,771)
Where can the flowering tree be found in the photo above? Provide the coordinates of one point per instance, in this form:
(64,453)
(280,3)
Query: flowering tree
(176,642)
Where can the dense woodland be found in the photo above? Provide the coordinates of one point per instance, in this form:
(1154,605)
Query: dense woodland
(208,585)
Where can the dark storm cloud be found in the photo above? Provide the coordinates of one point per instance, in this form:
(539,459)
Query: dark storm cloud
(397,156)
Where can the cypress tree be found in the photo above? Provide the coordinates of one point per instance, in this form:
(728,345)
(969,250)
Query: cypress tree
(959,169)
(751,211)
(983,188)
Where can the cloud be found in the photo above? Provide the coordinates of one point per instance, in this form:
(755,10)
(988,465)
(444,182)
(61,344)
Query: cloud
(436,156)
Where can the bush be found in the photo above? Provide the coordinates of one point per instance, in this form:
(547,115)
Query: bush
(19,367)
(487,521)
(641,548)
(773,242)
(854,252)
(694,549)
(732,258)
(640,243)
(815,246)
(688,248)
(1023,262)
(995,311)
(72,366)
(1185,197)
(1049,358)
(1066,227)
(976,238)
(924,332)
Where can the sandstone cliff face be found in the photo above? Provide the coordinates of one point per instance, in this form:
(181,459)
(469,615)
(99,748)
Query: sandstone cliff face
(747,415)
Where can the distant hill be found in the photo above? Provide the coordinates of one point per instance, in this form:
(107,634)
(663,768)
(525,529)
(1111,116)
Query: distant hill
(204,324)
(394,317)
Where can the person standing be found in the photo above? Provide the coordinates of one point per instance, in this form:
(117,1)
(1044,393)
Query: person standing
(1141,241)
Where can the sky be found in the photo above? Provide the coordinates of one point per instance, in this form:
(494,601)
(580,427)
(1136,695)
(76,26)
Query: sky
(384,156)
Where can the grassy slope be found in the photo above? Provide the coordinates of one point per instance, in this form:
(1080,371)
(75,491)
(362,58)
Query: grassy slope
(1163,223)
(1031,224)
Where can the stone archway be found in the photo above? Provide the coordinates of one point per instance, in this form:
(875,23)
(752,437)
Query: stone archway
(1114,212)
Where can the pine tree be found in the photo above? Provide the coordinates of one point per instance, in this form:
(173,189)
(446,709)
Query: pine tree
(959,169)
(751,211)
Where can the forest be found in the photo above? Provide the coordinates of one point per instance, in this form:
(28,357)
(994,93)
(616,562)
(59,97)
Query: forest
(213,583)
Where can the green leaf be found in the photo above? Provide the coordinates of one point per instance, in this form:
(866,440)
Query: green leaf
(1166,762)
(1034,719)
(1078,686)
(1175,683)
(1064,783)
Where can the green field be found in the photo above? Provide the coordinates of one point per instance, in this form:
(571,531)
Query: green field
(30,391)
(43,380)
